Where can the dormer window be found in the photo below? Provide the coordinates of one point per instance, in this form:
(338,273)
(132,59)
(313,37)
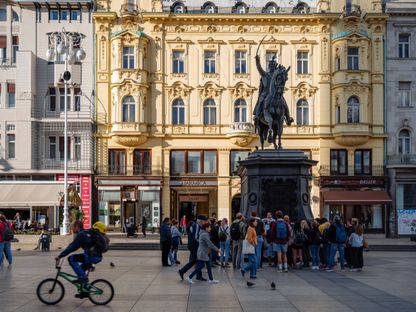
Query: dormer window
(178,7)
(209,8)
(240,8)
(301,8)
(271,8)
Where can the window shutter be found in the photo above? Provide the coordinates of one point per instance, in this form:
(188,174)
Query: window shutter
(11,88)
(3,42)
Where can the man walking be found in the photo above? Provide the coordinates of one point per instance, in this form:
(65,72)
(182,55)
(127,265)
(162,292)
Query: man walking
(193,244)
(165,241)
(337,236)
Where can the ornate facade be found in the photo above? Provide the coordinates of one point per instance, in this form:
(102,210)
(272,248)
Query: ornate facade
(177,83)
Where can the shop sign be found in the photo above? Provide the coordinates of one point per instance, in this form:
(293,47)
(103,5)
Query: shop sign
(406,221)
(353,181)
(193,183)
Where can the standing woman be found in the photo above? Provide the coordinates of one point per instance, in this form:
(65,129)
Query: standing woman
(225,242)
(249,248)
(203,254)
(306,253)
(176,240)
(316,240)
(356,242)
(297,245)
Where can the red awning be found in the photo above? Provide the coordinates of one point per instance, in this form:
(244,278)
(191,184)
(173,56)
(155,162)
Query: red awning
(356,197)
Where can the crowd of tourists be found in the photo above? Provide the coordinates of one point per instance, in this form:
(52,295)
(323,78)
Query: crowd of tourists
(276,241)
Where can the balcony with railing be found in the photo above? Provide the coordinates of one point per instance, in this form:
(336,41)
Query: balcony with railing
(401,160)
(58,164)
(325,171)
(241,133)
(124,170)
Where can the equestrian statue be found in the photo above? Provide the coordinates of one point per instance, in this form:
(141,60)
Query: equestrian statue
(271,110)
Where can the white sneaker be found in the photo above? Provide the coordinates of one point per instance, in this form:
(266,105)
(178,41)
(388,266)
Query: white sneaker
(190,281)
(213,281)
(10,267)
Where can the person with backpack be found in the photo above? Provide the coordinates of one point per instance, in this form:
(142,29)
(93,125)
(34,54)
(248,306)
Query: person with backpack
(259,233)
(281,232)
(214,236)
(337,236)
(299,239)
(237,233)
(193,233)
(6,236)
(94,242)
(316,241)
(225,242)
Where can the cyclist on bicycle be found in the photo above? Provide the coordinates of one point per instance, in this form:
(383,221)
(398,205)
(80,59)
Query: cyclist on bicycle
(91,241)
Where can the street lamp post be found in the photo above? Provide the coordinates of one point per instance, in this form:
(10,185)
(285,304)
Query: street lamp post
(66,45)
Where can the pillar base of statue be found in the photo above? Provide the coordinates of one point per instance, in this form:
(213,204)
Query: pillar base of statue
(274,180)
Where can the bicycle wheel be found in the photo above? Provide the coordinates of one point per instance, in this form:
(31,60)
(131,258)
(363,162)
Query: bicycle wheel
(48,295)
(101,292)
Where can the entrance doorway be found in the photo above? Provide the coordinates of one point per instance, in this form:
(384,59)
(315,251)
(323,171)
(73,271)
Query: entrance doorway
(191,209)
(235,206)
(129,214)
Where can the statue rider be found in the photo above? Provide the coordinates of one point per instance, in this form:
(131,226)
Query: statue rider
(265,81)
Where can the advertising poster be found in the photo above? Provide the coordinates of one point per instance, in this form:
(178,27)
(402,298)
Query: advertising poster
(406,221)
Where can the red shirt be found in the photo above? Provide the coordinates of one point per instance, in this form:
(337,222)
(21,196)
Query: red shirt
(273,232)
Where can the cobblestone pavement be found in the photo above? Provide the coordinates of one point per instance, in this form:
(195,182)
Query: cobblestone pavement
(141,284)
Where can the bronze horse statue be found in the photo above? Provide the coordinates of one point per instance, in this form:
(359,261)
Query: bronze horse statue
(275,111)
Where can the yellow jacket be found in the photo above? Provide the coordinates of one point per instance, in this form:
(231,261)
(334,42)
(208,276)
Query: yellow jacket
(251,235)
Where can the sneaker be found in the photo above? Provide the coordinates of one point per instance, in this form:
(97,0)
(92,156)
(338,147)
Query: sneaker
(10,266)
(213,281)
(280,271)
(181,275)
(190,281)
(285,270)
(353,270)
(329,270)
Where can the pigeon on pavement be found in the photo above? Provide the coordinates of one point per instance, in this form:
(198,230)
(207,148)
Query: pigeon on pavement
(273,286)
(112,264)
(250,284)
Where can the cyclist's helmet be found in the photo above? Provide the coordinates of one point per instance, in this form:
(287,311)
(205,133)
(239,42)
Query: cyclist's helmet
(100,227)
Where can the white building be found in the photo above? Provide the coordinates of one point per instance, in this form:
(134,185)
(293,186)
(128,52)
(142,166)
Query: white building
(32,105)
(401,114)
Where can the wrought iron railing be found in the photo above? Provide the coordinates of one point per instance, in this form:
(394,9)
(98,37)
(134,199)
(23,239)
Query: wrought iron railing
(402,159)
(352,171)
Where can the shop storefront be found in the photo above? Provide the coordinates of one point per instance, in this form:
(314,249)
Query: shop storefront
(364,199)
(194,196)
(123,203)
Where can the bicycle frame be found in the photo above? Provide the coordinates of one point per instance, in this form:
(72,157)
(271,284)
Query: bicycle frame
(72,278)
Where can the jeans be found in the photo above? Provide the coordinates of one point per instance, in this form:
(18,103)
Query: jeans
(341,250)
(251,265)
(327,253)
(5,247)
(190,264)
(259,249)
(199,266)
(315,255)
(225,250)
(79,263)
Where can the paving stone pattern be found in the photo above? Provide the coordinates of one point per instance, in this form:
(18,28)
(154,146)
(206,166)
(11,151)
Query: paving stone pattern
(386,284)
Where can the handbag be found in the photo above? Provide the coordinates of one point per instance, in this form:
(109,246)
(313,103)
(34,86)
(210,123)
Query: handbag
(365,244)
(248,249)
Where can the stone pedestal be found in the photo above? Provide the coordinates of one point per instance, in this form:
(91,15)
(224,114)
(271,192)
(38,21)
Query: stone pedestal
(274,180)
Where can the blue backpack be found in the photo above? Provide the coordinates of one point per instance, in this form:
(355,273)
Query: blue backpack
(341,234)
(281,230)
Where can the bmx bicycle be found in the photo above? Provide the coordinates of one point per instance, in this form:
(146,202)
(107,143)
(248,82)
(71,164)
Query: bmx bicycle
(51,291)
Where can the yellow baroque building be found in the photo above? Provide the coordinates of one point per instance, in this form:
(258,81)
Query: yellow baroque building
(176,84)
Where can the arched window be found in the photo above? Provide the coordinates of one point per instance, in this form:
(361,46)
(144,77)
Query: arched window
(404,142)
(178,7)
(302,112)
(210,112)
(240,111)
(178,112)
(353,110)
(301,8)
(270,8)
(15,16)
(240,8)
(209,8)
(129,109)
